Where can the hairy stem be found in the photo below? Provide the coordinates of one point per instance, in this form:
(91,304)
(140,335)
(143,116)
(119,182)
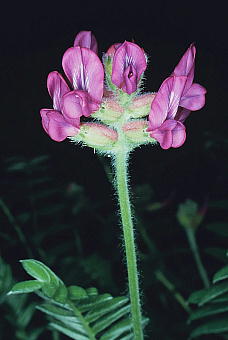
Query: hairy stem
(195,251)
(121,161)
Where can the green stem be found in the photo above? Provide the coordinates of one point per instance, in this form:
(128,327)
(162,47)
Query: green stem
(159,275)
(170,286)
(121,161)
(80,317)
(16,227)
(195,251)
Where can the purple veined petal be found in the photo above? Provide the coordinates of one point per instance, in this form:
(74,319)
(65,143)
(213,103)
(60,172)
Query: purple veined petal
(78,103)
(128,54)
(178,135)
(85,71)
(194,98)
(186,66)
(86,39)
(57,87)
(175,88)
(182,114)
(166,101)
(56,126)
(130,80)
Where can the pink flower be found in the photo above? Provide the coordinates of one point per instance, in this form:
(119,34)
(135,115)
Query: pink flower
(54,123)
(86,76)
(129,62)
(86,39)
(174,101)
(85,72)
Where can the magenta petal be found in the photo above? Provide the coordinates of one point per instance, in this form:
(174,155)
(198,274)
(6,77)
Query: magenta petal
(178,135)
(163,137)
(166,101)
(85,71)
(182,114)
(185,67)
(86,39)
(128,54)
(56,126)
(57,87)
(130,80)
(194,98)
(164,133)
(78,103)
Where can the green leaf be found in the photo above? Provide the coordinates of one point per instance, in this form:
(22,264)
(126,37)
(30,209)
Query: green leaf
(205,295)
(118,329)
(36,270)
(77,293)
(213,292)
(211,309)
(104,308)
(68,332)
(222,274)
(26,287)
(219,228)
(111,318)
(41,268)
(61,294)
(196,297)
(213,327)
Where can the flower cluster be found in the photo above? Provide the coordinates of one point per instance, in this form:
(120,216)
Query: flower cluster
(110,93)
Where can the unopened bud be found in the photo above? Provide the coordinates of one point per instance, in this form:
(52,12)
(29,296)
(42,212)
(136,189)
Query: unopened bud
(135,131)
(97,136)
(110,111)
(189,215)
(140,106)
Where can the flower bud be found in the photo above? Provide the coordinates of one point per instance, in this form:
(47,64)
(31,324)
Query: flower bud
(140,106)
(97,136)
(188,215)
(135,131)
(110,111)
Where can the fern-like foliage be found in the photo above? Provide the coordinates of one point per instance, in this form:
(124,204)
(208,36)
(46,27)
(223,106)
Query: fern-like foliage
(212,312)
(80,314)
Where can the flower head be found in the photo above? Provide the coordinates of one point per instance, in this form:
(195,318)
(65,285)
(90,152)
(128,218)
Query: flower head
(129,62)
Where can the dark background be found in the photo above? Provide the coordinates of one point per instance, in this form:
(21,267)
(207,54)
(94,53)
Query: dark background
(33,39)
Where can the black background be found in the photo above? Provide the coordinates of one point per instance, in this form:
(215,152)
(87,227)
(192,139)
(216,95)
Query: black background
(33,40)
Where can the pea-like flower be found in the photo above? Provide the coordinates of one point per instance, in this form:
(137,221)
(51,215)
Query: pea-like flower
(54,123)
(129,63)
(85,73)
(174,101)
